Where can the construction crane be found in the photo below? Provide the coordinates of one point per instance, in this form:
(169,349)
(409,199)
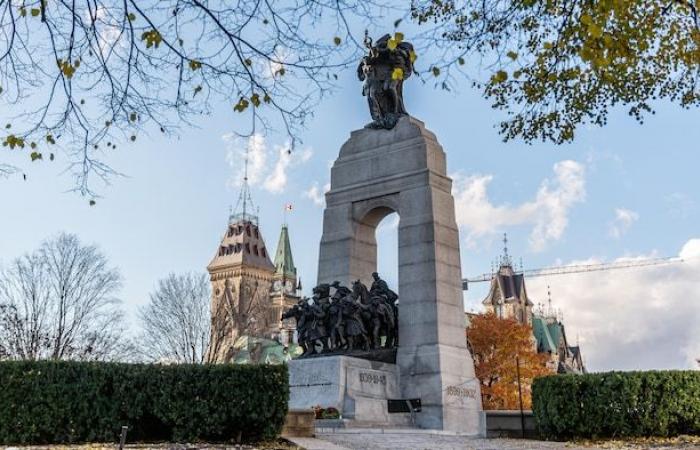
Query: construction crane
(578,268)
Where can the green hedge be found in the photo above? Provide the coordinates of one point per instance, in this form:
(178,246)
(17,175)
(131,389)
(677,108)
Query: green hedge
(63,402)
(617,404)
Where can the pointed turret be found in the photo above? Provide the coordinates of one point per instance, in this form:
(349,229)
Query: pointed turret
(507,295)
(284,263)
(241,275)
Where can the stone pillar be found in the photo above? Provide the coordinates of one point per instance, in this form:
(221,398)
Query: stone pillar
(403,170)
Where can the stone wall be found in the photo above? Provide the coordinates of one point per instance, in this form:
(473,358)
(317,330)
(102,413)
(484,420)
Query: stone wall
(508,423)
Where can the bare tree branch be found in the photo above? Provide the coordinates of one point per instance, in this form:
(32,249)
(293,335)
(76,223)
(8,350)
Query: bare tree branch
(59,303)
(88,75)
(176,320)
(237,314)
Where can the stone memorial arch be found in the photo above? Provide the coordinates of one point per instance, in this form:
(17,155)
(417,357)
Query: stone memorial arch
(403,170)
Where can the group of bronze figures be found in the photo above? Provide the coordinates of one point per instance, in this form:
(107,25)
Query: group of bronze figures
(350,319)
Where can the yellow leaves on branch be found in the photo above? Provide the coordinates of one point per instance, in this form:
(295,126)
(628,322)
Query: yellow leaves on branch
(397,74)
(244,102)
(153,38)
(241,105)
(499,77)
(34,12)
(67,68)
(13,141)
(195,65)
(395,41)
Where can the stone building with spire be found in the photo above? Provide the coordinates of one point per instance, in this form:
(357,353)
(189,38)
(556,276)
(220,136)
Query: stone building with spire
(249,292)
(507,298)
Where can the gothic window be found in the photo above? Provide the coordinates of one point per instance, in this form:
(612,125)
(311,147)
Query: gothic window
(247,230)
(247,248)
(257,235)
(255,250)
(262,252)
(238,248)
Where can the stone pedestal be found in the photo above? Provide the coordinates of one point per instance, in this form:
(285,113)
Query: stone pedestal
(403,170)
(358,388)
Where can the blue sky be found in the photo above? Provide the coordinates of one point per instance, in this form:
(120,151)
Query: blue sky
(621,191)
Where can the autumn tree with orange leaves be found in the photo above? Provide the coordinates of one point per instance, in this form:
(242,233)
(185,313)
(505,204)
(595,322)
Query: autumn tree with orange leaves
(494,343)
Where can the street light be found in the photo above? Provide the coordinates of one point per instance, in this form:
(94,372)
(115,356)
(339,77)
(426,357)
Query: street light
(520,396)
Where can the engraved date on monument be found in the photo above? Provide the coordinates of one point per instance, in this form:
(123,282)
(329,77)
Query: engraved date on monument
(459,391)
(372,378)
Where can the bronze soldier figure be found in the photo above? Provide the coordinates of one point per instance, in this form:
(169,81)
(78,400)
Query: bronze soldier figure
(383,71)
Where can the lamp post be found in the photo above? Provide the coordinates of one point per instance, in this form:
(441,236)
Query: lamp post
(520,396)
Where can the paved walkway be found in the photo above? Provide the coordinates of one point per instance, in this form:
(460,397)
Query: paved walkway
(425,441)
(408,440)
(315,444)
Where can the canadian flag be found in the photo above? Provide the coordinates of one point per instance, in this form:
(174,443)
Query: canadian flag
(288,207)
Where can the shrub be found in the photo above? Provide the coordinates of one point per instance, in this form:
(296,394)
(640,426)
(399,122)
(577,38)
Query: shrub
(617,404)
(63,402)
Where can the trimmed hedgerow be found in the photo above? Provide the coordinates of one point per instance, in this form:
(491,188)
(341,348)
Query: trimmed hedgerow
(617,404)
(63,402)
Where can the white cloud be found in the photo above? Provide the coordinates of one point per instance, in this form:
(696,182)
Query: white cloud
(316,195)
(277,179)
(107,27)
(624,218)
(547,212)
(272,179)
(235,157)
(636,318)
(269,69)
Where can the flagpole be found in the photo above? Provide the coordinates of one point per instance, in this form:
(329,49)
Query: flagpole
(287,207)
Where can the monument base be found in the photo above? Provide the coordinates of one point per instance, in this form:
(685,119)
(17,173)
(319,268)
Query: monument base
(385,355)
(357,388)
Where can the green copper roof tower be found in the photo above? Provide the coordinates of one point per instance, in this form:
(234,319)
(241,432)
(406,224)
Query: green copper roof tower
(284,263)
